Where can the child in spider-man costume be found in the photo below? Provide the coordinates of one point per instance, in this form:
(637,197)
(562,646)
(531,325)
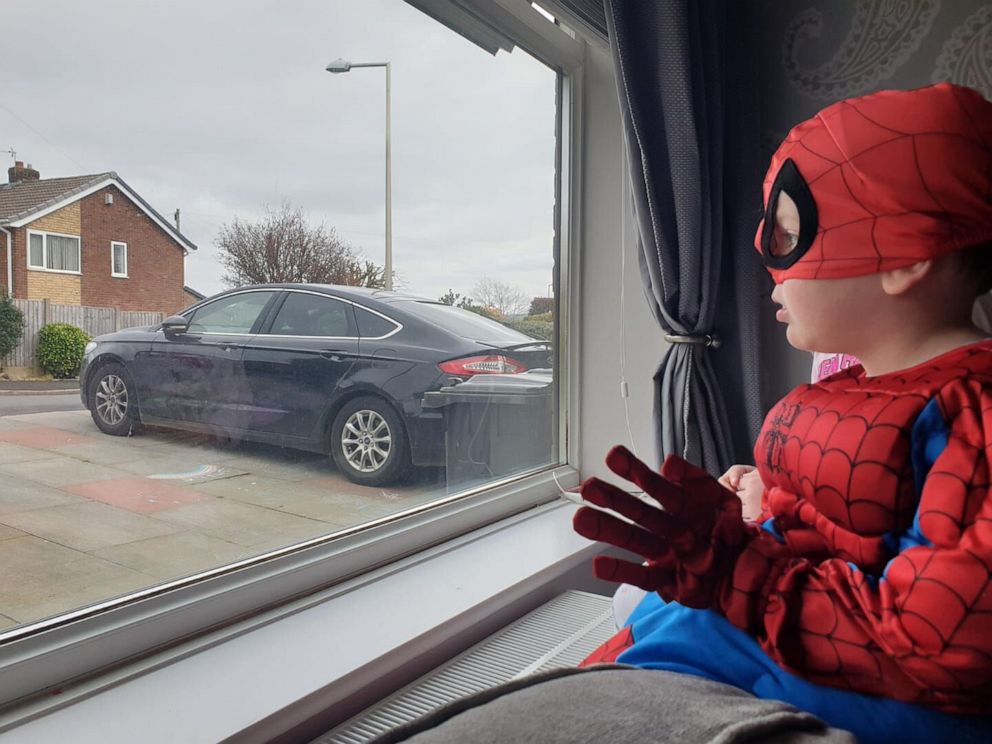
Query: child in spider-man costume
(863,593)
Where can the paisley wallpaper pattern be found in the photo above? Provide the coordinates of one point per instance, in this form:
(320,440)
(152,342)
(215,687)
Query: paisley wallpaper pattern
(819,51)
(882,37)
(966,57)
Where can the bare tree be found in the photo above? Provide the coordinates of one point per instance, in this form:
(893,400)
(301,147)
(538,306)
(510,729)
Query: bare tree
(365,273)
(500,296)
(283,246)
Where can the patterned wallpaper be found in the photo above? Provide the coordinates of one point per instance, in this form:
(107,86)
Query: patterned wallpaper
(819,51)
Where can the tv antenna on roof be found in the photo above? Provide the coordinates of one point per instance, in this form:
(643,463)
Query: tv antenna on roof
(13,153)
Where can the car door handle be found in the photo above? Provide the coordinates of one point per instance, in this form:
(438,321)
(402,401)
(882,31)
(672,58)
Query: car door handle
(230,347)
(335,355)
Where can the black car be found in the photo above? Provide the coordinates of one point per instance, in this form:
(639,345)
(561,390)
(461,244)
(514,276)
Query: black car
(341,370)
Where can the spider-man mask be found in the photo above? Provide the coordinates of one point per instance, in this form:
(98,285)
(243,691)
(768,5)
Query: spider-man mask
(882,182)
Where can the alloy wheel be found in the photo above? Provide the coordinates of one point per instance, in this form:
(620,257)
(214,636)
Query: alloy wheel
(366,441)
(111,399)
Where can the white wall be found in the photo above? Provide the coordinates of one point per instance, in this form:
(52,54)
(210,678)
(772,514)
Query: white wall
(601,421)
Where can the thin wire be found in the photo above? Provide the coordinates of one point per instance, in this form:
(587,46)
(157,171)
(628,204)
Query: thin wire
(52,144)
(623,310)
(576,496)
(570,495)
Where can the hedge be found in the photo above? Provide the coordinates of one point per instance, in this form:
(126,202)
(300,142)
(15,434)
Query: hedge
(11,326)
(60,349)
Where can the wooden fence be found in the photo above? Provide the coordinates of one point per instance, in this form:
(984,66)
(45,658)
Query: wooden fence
(93,320)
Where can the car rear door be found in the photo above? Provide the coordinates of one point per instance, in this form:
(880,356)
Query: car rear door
(296,364)
(197,377)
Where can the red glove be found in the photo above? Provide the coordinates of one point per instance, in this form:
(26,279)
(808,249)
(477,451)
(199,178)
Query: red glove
(691,546)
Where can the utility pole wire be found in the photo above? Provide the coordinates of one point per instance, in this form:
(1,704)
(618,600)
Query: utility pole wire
(50,143)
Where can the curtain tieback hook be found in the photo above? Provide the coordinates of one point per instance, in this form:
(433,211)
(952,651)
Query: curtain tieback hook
(703,339)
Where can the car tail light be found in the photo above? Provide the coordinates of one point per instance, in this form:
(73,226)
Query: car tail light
(492,364)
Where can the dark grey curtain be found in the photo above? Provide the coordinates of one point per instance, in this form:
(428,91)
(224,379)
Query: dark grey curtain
(684,71)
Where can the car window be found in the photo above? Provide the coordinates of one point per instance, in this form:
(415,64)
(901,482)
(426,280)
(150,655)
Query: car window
(465,323)
(312,315)
(371,325)
(232,314)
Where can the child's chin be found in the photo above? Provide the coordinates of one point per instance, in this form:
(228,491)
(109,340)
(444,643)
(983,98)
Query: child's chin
(797,340)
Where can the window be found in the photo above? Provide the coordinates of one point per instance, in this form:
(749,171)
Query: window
(312,315)
(235,494)
(118,259)
(465,324)
(373,325)
(53,252)
(235,314)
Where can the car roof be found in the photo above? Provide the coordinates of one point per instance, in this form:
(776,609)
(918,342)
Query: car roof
(338,290)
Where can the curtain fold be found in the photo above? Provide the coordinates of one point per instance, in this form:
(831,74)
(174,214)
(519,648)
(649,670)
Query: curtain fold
(686,88)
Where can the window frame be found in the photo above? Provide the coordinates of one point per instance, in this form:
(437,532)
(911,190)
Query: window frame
(113,245)
(44,252)
(86,644)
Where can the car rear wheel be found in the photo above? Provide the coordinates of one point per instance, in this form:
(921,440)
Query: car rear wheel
(113,405)
(368,442)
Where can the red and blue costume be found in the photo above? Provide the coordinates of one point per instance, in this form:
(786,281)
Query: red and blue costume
(864,592)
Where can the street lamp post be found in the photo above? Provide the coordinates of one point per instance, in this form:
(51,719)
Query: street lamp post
(341,65)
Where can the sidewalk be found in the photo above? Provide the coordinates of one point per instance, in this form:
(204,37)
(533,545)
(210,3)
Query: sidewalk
(38,387)
(86,517)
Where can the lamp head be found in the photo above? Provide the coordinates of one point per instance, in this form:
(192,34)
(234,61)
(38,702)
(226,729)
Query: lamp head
(339,65)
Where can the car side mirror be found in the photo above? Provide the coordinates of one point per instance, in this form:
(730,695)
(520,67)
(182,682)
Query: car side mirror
(174,325)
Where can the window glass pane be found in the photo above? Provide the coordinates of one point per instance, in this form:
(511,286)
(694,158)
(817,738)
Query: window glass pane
(120,258)
(309,315)
(63,253)
(235,314)
(259,442)
(55,255)
(371,325)
(466,324)
(37,250)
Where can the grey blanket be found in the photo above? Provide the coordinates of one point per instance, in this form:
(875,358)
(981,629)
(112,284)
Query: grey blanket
(616,704)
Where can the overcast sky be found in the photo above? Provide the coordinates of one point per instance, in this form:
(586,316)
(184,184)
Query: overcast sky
(220,108)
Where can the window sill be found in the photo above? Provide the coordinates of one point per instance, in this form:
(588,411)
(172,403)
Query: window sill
(119,276)
(54,271)
(324,653)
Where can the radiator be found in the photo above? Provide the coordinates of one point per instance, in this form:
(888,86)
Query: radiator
(558,634)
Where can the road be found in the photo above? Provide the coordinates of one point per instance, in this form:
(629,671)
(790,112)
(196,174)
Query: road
(14,404)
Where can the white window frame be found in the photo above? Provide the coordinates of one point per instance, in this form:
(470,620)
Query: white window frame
(44,252)
(93,642)
(113,245)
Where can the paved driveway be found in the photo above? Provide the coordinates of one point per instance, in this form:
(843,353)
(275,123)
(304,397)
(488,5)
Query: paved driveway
(85,517)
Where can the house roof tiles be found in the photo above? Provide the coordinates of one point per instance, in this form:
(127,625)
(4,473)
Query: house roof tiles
(24,197)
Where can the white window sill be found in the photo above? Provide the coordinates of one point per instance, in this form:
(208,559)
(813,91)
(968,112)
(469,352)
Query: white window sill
(120,276)
(329,650)
(55,271)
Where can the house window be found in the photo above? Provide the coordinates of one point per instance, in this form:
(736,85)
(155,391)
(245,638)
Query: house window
(333,427)
(53,252)
(118,259)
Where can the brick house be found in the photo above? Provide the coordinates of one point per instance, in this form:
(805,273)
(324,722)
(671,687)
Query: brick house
(88,240)
(192,296)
